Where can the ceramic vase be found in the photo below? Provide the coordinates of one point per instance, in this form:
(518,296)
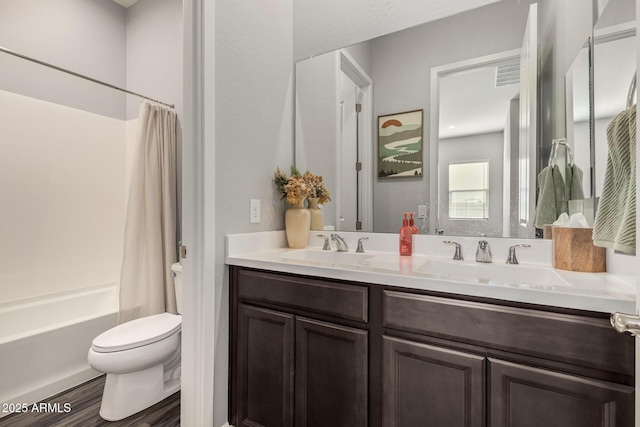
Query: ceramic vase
(317,217)
(297,222)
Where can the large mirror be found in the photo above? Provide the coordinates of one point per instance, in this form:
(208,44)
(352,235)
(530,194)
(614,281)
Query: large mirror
(450,70)
(614,67)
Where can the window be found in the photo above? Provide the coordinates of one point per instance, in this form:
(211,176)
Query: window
(469,190)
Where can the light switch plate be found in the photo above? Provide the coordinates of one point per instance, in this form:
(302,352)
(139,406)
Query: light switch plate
(422,211)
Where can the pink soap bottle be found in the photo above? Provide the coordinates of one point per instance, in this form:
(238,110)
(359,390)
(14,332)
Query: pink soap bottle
(412,224)
(406,237)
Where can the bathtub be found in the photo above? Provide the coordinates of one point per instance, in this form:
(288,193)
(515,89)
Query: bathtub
(44,342)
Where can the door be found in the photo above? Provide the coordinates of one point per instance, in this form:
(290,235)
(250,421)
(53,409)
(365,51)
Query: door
(349,197)
(523,396)
(331,375)
(265,368)
(424,385)
(528,122)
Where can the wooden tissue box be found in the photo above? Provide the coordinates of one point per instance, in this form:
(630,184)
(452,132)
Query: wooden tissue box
(573,250)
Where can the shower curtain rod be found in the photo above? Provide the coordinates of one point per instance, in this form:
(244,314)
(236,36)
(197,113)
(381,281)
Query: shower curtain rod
(73,73)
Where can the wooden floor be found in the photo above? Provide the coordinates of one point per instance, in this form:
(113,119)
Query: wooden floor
(85,405)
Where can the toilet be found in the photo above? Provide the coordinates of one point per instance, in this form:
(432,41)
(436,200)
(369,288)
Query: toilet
(141,359)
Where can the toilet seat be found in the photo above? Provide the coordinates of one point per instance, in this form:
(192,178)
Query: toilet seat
(137,333)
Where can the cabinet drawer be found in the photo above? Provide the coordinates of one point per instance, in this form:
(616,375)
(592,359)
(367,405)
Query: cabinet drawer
(581,340)
(319,296)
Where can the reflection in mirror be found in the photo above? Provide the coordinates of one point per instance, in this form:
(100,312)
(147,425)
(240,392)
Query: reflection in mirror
(614,54)
(478,129)
(577,96)
(398,67)
(614,82)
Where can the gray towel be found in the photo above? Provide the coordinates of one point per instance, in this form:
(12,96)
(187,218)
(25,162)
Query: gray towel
(615,222)
(552,201)
(574,181)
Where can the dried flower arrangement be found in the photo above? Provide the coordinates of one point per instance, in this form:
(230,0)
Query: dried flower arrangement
(297,187)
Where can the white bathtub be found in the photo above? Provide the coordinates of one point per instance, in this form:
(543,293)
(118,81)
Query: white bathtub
(44,341)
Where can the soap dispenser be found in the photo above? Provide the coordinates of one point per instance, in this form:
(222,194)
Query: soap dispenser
(406,237)
(412,224)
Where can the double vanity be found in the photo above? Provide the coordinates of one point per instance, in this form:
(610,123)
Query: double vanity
(327,338)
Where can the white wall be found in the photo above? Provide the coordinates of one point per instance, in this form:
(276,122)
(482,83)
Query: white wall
(47,143)
(482,147)
(323,26)
(254,75)
(62,189)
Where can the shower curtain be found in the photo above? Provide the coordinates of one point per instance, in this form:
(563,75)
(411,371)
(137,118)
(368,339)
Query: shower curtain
(146,284)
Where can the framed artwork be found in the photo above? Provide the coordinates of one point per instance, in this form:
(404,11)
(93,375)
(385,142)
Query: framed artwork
(400,145)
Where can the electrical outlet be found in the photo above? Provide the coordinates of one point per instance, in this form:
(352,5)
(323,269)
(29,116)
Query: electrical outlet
(254,211)
(422,211)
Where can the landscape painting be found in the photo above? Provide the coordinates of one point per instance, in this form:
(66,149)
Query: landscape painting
(400,145)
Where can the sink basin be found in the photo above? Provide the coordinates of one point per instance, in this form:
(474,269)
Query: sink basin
(317,256)
(507,274)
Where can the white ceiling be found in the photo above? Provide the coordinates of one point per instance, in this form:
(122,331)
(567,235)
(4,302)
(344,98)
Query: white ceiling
(470,103)
(125,3)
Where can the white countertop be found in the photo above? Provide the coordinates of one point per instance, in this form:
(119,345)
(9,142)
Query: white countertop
(601,292)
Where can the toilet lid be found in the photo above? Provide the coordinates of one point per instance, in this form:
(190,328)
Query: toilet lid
(137,333)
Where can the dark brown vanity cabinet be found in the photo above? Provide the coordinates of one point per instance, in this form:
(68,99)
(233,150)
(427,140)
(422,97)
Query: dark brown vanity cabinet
(315,352)
(500,366)
(292,369)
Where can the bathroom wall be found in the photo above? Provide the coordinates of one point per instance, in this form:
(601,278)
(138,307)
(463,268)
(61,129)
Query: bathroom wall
(320,27)
(254,75)
(86,36)
(64,138)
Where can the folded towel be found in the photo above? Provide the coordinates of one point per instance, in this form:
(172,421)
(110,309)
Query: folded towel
(615,222)
(552,201)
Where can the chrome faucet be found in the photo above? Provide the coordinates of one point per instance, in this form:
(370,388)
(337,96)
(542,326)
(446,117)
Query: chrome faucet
(511,259)
(458,253)
(326,246)
(341,245)
(483,253)
(360,249)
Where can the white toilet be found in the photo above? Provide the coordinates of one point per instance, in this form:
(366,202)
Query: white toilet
(141,359)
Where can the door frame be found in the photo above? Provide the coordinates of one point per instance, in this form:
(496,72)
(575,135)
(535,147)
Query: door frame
(348,65)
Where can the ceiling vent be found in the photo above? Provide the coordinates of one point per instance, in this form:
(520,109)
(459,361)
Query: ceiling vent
(508,74)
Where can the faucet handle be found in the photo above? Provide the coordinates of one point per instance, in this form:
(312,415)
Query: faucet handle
(511,259)
(360,248)
(327,246)
(458,253)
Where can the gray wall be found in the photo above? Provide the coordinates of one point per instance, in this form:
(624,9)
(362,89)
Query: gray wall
(154,52)
(253,134)
(495,28)
(488,146)
(564,27)
(86,36)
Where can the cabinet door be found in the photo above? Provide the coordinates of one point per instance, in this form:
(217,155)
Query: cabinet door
(522,396)
(331,375)
(431,386)
(265,367)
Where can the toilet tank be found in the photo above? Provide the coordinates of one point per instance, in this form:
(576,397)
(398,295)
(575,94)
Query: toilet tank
(176,270)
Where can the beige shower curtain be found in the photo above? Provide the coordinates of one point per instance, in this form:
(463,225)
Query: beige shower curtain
(146,285)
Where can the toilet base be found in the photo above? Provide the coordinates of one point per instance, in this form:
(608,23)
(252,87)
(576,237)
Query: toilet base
(127,394)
